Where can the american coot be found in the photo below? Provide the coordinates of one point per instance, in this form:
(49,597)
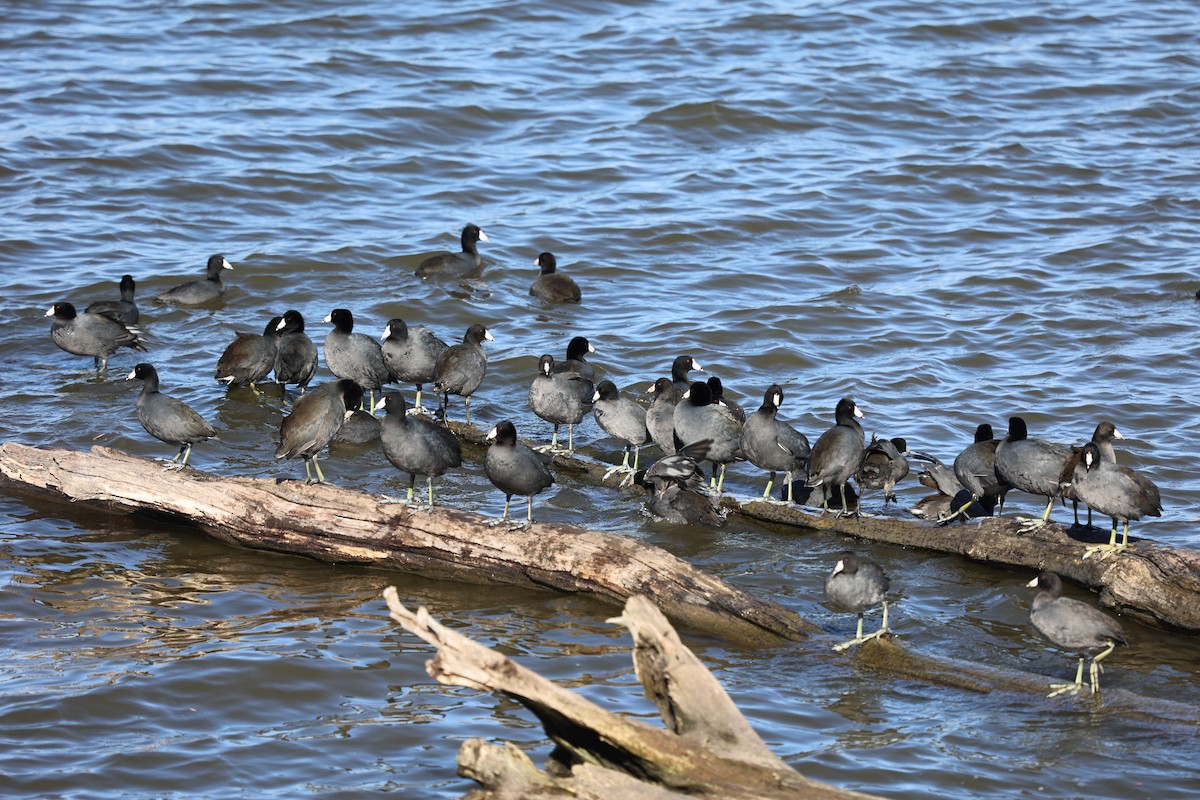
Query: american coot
(975,469)
(576,361)
(660,417)
(552,286)
(1073,626)
(125,310)
(717,391)
(773,445)
(884,465)
(1115,491)
(677,488)
(359,427)
(355,356)
(697,418)
(94,335)
(680,368)
(514,468)
(201,291)
(943,508)
(836,455)
(417,446)
(1031,465)
(622,418)
(460,369)
(411,354)
(315,418)
(296,354)
(456,265)
(250,357)
(857,584)
(1102,437)
(558,398)
(168,419)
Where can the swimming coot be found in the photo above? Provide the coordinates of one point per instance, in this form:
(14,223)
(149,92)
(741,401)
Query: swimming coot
(417,446)
(295,354)
(677,488)
(250,357)
(836,455)
(460,369)
(514,468)
(1031,465)
(660,417)
(456,265)
(697,418)
(125,310)
(355,356)
(552,286)
(858,584)
(94,335)
(558,398)
(773,445)
(1074,626)
(622,418)
(884,465)
(411,354)
(315,418)
(201,291)
(167,419)
(1115,491)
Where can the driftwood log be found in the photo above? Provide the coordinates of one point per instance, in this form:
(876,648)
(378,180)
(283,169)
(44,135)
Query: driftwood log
(707,748)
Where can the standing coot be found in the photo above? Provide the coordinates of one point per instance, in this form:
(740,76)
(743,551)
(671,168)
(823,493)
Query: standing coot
(296,354)
(1102,437)
(417,446)
(315,418)
(560,398)
(250,357)
(622,418)
(836,455)
(883,466)
(1073,626)
(411,354)
(773,445)
(168,419)
(857,584)
(696,418)
(660,417)
(456,265)
(1031,465)
(514,468)
(201,291)
(94,335)
(460,369)
(355,356)
(125,310)
(1115,491)
(552,286)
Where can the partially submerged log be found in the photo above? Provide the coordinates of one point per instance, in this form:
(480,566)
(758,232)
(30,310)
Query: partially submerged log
(347,526)
(707,749)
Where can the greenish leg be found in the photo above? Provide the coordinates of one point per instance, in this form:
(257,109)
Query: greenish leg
(317,466)
(1069,688)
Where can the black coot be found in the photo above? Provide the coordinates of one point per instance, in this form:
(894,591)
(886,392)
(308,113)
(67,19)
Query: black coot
(716,390)
(697,418)
(552,286)
(417,446)
(680,368)
(1075,626)
(250,357)
(296,353)
(94,335)
(125,310)
(975,469)
(1102,437)
(1031,465)
(355,356)
(514,468)
(858,584)
(773,445)
(576,361)
(884,464)
(677,488)
(836,455)
(358,428)
(315,418)
(411,354)
(622,418)
(201,291)
(558,398)
(456,265)
(167,419)
(942,508)
(1115,491)
(660,417)
(460,369)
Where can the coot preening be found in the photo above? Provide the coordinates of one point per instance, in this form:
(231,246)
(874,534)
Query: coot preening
(94,335)
(456,265)
(195,292)
(696,418)
(514,468)
(677,488)
(622,418)
(558,398)
(296,353)
(857,584)
(773,445)
(417,446)
(660,417)
(975,469)
(553,286)
(1115,491)
(1031,465)
(355,356)
(411,354)
(680,368)
(884,465)
(250,357)
(125,310)
(315,418)
(167,419)
(836,455)
(1073,626)
(460,369)
(943,508)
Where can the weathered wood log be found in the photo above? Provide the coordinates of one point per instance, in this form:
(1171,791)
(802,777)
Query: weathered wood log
(708,748)
(347,526)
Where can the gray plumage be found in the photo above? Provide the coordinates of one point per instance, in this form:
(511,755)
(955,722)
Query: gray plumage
(884,465)
(359,427)
(773,445)
(514,468)
(975,467)
(660,417)
(314,419)
(856,584)
(167,419)
(551,285)
(1031,465)
(250,357)
(411,354)
(560,398)
(460,369)
(697,418)
(354,356)
(125,310)
(1073,626)
(456,265)
(837,453)
(195,292)
(622,418)
(94,335)
(417,446)
(1114,490)
(296,353)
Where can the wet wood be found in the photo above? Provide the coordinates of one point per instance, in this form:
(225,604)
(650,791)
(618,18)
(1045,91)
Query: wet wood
(347,526)
(706,749)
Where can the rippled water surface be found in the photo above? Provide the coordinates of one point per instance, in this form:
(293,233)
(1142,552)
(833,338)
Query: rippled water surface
(954,213)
